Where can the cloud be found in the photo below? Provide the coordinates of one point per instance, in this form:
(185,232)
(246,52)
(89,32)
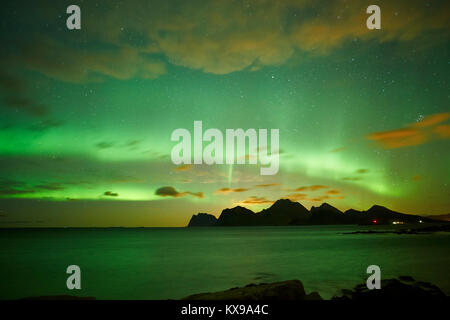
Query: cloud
(77,65)
(14,191)
(443,131)
(398,138)
(339,149)
(15,96)
(230,190)
(110,194)
(296,196)
(432,120)
(414,134)
(267,185)
(254,200)
(45,125)
(15,187)
(172,192)
(316,198)
(51,186)
(26,105)
(185,167)
(104,145)
(133,144)
(217,36)
(361,171)
(352,178)
(85,172)
(311,188)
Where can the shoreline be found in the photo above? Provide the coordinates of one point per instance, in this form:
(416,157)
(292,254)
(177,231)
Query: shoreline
(402,287)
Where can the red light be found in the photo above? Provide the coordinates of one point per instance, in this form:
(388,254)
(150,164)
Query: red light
(374,221)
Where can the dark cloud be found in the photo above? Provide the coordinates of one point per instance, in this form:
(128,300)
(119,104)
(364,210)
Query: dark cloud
(217,36)
(26,105)
(11,83)
(16,97)
(133,144)
(361,171)
(74,64)
(104,145)
(86,172)
(172,192)
(13,187)
(110,194)
(167,192)
(50,186)
(45,125)
(351,178)
(14,191)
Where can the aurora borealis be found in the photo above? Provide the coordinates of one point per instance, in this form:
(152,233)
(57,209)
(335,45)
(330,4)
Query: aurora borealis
(87,114)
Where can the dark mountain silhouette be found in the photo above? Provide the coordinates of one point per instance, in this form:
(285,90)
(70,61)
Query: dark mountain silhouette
(202,220)
(384,215)
(356,217)
(286,212)
(238,216)
(327,214)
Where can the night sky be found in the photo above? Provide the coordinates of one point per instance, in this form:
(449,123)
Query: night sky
(87,115)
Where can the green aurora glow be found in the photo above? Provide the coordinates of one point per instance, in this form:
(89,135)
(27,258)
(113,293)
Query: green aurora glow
(90,112)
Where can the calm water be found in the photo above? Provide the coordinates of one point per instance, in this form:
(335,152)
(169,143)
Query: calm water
(172,263)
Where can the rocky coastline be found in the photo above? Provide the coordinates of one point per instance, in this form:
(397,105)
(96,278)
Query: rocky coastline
(403,287)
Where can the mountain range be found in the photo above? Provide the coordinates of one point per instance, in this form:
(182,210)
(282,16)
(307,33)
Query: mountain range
(285,212)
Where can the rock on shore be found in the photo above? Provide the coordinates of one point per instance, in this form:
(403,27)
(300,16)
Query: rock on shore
(284,290)
(405,287)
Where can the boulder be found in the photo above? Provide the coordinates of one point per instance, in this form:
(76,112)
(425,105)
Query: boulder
(284,290)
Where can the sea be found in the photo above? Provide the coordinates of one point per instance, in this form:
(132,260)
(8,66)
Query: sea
(171,263)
